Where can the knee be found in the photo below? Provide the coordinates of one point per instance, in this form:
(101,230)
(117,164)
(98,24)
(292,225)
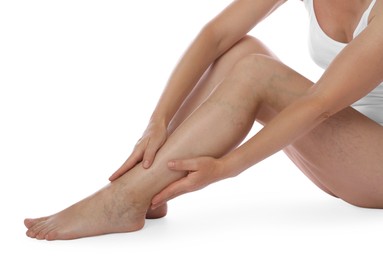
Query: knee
(255,64)
(255,70)
(250,44)
(253,60)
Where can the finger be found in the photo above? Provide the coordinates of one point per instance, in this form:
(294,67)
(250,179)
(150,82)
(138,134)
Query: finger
(150,152)
(172,191)
(133,159)
(184,165)
(115,176)
(149,155)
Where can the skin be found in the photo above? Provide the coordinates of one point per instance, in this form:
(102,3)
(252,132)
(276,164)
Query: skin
(230,80)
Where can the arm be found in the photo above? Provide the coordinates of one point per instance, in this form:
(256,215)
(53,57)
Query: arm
(360,63)
(214,39)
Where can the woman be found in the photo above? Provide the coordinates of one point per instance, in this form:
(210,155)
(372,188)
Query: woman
(223,83)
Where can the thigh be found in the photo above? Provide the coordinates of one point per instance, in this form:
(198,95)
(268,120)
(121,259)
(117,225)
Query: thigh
(343,155)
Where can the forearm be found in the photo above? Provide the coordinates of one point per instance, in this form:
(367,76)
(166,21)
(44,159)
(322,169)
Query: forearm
(198,57)
(220,34)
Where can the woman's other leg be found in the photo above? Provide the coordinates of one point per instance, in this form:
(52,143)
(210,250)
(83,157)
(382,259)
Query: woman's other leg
(343,155)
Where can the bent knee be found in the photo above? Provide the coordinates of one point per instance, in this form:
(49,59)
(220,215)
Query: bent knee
(253,45)
(256,71)
(257,66)
(255,60)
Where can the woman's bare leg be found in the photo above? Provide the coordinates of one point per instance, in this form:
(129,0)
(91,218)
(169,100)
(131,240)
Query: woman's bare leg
(212,77)
(258,86)
(216,74)
(343,155)
(121,206)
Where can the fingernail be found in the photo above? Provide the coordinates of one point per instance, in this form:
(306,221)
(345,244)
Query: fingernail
(146,164)
(171,164)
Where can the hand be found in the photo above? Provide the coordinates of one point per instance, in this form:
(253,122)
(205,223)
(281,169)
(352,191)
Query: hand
(145,150)
(201,172)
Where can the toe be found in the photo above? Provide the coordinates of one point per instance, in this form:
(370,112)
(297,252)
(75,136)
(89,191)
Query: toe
(30,222)
(35,230)
(43,233)
(30,234)
(52,235)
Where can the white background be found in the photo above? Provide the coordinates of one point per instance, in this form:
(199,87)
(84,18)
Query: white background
(78,82)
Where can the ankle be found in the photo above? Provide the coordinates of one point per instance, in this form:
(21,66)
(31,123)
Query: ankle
(127,202)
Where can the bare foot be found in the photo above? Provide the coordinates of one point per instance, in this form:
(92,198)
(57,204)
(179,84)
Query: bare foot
(110,210)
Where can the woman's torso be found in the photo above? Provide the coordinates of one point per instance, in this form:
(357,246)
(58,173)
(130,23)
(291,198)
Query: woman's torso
(330,32)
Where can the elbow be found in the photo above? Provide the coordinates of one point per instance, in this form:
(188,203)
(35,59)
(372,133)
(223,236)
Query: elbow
(322,106)
(327,107)
(215,36)
(211,33)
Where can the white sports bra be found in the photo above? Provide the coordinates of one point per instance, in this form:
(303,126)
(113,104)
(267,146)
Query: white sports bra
(323,49)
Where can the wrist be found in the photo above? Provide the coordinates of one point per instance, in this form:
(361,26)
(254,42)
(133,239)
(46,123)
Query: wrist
(157,119)
(229,166)
(232,165)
